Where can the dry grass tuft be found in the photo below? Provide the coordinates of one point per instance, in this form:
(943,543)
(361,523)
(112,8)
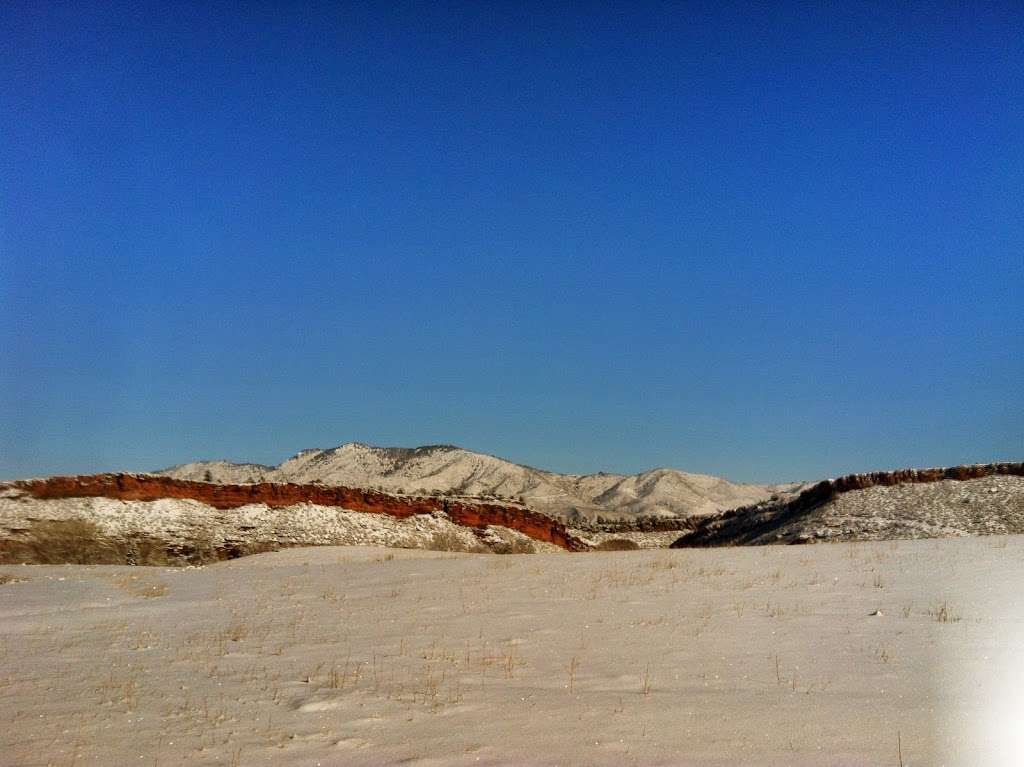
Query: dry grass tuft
(645,681)
(56,542)
(139,588)
(236,632)
(617,544)
(83,542)
(943,613)
(574,666)
(448,540)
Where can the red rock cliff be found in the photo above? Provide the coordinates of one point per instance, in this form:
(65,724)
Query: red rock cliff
(147,487)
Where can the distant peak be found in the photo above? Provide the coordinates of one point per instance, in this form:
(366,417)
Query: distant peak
(392,448)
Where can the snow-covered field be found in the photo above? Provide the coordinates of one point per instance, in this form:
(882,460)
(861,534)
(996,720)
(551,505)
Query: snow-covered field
(840,654)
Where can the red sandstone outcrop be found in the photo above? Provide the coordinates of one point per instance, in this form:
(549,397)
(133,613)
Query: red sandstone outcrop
(753,523)
(147,487)
(914,476)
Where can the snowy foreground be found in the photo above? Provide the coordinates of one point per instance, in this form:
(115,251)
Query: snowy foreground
(367,656)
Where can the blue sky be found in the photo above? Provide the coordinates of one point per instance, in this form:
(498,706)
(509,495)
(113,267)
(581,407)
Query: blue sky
(769,244)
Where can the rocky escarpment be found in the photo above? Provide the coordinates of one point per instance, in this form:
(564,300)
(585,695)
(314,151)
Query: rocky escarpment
(958,500)
(144,487)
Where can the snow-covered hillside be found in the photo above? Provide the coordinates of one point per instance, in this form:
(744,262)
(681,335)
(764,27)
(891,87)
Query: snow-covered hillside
(446,468)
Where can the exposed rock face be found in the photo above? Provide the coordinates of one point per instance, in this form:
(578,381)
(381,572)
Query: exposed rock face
(857,507)
(144,487)
(908,476)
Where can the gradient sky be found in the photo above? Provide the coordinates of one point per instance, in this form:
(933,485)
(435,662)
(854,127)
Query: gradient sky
(769,244)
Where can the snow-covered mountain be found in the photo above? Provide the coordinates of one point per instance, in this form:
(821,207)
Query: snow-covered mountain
(450,469)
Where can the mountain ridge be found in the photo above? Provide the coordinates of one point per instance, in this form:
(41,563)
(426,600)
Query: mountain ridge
(449,469)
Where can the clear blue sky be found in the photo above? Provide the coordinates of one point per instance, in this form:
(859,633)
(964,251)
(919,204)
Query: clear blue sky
(769,244)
